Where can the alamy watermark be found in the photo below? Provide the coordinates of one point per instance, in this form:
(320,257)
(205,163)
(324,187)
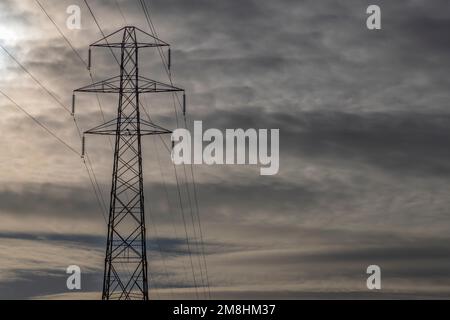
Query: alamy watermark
(373,22)
(73,21)
(374,280)
(73,282)
(229,148)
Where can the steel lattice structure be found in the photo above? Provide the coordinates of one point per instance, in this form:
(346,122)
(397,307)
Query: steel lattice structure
(125,274)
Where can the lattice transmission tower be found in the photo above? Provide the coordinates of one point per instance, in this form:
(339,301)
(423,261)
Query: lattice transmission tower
(125,273)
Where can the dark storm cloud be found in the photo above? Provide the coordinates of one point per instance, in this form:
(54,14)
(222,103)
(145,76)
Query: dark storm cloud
(59,200)
(388,141)
(385,140)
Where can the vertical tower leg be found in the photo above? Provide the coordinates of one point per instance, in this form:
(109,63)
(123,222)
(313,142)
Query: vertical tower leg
(126,261)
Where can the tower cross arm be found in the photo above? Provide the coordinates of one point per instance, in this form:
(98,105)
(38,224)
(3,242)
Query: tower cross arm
(112,85)
(128,127)
(146,40)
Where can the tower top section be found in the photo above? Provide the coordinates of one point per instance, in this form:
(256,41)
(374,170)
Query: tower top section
(129,37)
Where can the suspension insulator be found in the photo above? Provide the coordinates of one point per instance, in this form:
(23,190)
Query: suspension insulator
(83,146)
(184,104)
(89,60)
(169,59)
(73,104)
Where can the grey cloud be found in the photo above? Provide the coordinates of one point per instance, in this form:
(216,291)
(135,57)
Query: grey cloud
(363,125)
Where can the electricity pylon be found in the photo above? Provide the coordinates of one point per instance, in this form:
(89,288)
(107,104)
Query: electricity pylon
(125,274)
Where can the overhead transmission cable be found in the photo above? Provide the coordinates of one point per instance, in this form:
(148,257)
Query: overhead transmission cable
(54,135)
(90,171)
(154,32)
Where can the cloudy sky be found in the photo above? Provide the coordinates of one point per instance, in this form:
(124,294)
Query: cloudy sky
(364,158)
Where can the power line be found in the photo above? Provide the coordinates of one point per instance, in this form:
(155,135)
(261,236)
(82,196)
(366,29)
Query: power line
(153,31)
(36,80)
(59,103)
(174,95)
(178,185)
(60,140)
(151,220)
(54,135)
(192,214)
(161,53)
(39,123)
(127,175)
(94,185)
(185,228)
(157,239)
(93,179)
(121,12)
(166,192)
(60,32)
(78,55)
(101,31)
(180,204)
